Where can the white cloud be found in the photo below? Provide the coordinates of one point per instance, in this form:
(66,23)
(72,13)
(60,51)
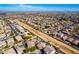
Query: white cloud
(22,6)
(28,6)
(33,8)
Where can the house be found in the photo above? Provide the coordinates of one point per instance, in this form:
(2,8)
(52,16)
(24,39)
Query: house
(76,42)
(60,35)
(25,34)
(30,43)
(41,45)
(34,40)
(10,42)
(49,50)
(18,38)
(10,51)
(70,39)
(1,39)
(2,43)
(2,35)
(65,37)
(20,28)
(76,35)
(19,47)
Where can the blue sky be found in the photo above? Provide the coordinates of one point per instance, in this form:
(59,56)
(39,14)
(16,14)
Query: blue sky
(39,7)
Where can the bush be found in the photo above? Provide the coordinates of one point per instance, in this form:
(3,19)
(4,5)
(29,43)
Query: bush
(27,37)
(11,34)
(26,50)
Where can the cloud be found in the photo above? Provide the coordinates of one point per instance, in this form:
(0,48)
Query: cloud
(33,8)
(26,7)
(29,6)
(23,6)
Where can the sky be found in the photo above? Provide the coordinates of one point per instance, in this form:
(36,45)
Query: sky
(39,7)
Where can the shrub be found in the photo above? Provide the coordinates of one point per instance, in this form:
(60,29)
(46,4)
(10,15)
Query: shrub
(26,50)
(27,37)
(11,34)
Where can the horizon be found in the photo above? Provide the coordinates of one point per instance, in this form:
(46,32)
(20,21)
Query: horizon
(39,7)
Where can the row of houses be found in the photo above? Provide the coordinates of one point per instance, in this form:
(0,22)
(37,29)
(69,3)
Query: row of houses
(68,39)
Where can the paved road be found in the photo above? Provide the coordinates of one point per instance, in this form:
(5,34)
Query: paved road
(63,47)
